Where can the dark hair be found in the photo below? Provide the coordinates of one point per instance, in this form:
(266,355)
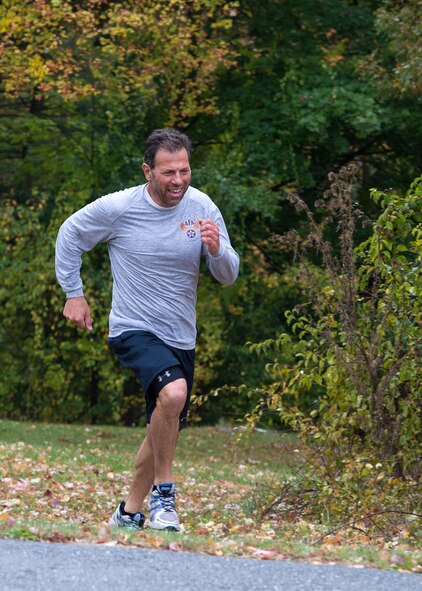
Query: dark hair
(168,139)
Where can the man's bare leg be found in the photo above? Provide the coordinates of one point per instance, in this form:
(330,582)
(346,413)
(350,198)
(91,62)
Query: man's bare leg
(153,464)
(163,429)
(143,477)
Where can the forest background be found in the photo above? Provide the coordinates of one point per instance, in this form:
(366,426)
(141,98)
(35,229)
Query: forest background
(275,95)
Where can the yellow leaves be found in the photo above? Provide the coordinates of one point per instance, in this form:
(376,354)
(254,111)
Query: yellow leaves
(37,69)
(153,541)
(235,310)
(157,47)
(223,24)
(8,22)
(214,547)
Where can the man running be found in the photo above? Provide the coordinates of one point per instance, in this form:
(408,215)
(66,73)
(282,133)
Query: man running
(156,233)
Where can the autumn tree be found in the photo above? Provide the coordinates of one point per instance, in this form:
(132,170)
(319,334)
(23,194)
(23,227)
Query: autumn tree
(82,84)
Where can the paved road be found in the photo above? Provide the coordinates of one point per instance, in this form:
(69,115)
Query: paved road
(35,566)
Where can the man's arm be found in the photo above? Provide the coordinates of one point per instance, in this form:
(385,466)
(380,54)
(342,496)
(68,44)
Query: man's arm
(78,234)
(222,259)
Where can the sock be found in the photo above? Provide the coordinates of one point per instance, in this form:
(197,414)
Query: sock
(123,512)
(164,488)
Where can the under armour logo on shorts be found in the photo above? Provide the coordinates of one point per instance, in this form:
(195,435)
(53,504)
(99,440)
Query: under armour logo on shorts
(165,374)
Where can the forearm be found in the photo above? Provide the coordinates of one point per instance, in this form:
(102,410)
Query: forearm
(225,266)
(69,260)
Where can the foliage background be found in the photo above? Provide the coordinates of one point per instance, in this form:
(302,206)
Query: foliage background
(274,95)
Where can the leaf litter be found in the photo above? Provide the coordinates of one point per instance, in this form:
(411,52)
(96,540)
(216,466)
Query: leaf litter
(67,492)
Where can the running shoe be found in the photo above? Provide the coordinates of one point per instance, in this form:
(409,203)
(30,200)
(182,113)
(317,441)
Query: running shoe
(119,519)
(162,508)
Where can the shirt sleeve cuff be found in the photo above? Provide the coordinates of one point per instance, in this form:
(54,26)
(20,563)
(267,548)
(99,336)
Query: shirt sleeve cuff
(219,253)
(76,293)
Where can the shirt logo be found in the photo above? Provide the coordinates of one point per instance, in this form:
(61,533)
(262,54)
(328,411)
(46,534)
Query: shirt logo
(190,226)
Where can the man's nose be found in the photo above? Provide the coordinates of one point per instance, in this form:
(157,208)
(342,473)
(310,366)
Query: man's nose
(177,178)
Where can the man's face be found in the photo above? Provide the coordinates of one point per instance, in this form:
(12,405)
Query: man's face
(169,180)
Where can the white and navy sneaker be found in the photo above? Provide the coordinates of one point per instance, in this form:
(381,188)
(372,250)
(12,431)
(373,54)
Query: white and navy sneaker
(162,508)
(122,519)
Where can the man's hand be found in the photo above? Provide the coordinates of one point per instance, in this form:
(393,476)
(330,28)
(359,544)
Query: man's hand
(210,235)
(77,311)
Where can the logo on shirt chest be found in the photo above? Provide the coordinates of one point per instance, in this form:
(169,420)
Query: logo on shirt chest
(191,227)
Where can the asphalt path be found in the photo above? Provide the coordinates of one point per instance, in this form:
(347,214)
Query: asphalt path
(35,566)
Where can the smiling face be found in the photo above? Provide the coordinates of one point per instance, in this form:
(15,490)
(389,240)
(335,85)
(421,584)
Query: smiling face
(169,179)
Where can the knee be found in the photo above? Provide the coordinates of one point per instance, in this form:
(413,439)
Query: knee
(172,398)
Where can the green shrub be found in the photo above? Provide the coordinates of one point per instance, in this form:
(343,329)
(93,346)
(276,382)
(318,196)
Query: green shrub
(356,346)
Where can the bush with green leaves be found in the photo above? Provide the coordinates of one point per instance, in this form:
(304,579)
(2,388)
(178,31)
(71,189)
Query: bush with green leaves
(355,347)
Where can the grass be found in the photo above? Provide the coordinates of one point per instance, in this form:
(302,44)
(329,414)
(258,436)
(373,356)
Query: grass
(62,482)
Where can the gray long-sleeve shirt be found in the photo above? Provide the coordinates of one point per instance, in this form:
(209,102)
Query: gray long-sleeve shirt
(155,257)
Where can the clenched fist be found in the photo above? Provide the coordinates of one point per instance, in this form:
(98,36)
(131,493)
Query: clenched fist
(77,311)
(210,235)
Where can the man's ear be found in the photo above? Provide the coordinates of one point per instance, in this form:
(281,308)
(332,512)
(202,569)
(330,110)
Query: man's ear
(147,171)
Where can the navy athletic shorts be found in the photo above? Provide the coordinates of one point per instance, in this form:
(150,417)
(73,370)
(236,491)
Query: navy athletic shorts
(155,364)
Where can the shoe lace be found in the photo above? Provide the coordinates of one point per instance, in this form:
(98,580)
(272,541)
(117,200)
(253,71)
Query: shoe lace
(166,501)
